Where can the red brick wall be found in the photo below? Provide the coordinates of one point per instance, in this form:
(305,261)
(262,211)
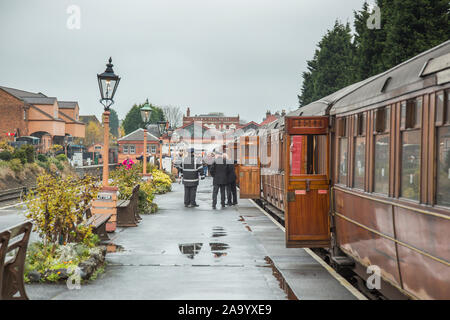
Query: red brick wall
(11,115)
(139,149)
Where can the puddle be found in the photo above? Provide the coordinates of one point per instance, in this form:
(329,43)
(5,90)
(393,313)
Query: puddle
(190,250)
(281,281)
(248,228)
(219,249)
(111,248)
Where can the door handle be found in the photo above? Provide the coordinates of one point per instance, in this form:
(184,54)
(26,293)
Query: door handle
(308,184)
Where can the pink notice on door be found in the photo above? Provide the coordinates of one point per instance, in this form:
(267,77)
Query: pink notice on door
(296,155)
(322,191)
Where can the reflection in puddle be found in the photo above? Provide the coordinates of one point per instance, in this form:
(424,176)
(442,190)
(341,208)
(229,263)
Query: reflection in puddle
(190,249)
(218,232)
(111,248)
(218,249)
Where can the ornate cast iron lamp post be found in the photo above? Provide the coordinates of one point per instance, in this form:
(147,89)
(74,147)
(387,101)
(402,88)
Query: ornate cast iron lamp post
(108,83)
(145,114)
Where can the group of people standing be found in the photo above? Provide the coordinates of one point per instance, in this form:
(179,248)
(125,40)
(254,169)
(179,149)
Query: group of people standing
(193,169)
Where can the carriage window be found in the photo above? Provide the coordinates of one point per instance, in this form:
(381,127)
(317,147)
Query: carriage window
(411,114)
(381,163)
(342,131)
(308,154)
(443,167)
(343,161)
(359,167)
(440,111)
(249,151)
(410,171)
(443,155)
(410,181)
(360,162)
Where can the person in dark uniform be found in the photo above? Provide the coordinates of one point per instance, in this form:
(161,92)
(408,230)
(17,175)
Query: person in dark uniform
(191,170)
(219,172)
(231,183)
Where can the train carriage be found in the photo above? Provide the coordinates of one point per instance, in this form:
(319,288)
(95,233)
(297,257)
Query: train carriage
(365,172)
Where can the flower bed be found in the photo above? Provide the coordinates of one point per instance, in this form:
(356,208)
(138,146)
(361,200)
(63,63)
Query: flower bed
(69,247)
(56,263)
(129,174)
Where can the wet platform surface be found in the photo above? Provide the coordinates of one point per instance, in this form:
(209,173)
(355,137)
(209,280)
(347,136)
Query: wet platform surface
(201,253)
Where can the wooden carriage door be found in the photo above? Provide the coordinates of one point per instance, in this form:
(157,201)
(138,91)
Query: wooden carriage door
(307,182)
(249,168)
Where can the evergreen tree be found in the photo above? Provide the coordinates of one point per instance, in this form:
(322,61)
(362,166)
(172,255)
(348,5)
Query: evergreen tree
(308,94)
(134,121)
(413,26)
(332,66)
(113,123)
(369,44)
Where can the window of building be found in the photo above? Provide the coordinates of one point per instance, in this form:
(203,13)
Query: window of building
(125,149)
(443,149)
(24,114)
(132,149)
(153,149)
(343,151)
(381,154)
(360,152)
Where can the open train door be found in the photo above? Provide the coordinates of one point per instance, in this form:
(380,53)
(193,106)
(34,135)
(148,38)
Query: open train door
(249,168)
(307,182)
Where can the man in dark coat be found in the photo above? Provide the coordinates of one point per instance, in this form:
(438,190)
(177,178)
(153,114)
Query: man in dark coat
(191,170)
(219,172)
(231,184)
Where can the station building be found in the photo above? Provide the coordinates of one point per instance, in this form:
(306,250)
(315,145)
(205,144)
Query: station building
(25,113)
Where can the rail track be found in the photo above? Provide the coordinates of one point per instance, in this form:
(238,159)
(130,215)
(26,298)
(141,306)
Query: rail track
(10,195)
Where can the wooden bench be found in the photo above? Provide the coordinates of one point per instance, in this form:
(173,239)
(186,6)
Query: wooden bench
(127,210)
(98,223)
(13,240)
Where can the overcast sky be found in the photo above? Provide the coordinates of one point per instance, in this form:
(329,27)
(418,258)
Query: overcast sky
(234,56)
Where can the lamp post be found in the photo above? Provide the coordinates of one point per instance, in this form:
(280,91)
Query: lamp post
(108,83)
(162,129)
(145,114)
(106,202)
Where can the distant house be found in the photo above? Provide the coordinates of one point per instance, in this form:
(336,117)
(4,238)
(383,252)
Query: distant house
(271,117)
(25,113)
(252,125)
(131,146)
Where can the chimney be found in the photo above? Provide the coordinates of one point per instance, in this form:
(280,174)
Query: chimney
(188,112)
(283,113)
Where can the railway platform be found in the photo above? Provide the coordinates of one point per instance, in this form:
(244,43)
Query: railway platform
(236,253)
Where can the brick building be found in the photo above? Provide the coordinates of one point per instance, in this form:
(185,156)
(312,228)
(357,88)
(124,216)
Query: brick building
(35,114)
(211,120)
(131,146)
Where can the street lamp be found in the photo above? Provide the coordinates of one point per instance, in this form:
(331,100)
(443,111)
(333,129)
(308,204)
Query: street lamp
(162,130)
(145,115)
(107,83)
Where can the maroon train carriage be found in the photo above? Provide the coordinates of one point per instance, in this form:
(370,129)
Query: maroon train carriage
(365,173)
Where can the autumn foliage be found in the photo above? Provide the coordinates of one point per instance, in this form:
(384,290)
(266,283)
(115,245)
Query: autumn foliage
(58,208)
